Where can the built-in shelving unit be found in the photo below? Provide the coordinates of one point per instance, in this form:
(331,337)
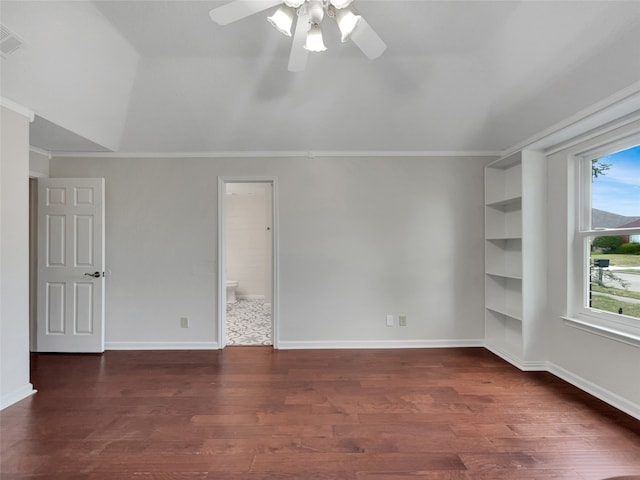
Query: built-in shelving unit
(514,256)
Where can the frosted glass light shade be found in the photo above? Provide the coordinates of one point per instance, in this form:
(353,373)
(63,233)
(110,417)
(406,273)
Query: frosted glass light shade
(341,3)
(347,22)
(314,39)
(282,20)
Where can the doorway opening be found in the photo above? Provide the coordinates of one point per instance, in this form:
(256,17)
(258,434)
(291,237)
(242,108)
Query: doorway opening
(247,256)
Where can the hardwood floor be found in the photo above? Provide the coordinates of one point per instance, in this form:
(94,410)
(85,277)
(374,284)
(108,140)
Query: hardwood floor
(251,413)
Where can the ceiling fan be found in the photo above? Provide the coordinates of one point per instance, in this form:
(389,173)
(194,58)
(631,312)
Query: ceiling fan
(307,35)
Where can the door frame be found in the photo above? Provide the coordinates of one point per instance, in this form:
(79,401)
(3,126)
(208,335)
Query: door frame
(33,257)
(222,252)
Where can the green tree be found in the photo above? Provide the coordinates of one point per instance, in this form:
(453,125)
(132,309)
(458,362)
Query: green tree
(608,244)
(598,167)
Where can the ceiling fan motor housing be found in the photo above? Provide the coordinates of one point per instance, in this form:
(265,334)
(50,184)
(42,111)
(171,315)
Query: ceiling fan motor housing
(314,6)
(316,11)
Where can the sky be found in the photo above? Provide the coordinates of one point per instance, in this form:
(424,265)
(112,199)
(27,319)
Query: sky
(618,190)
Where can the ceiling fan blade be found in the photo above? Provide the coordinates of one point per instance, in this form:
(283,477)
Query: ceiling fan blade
(239,9)
(368,40)
(299,55)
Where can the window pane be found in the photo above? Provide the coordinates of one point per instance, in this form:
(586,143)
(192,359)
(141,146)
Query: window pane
(614,269)
(615,190)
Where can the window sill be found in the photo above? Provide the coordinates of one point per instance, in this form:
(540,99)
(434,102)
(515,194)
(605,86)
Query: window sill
(605,328)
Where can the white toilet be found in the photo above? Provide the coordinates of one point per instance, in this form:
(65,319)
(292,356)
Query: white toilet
(231,291)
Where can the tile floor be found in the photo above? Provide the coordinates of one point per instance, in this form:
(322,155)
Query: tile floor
(248,323)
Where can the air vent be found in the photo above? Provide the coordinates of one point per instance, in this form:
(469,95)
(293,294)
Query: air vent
(9,42)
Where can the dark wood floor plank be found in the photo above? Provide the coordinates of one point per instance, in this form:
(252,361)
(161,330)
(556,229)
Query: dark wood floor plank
(259,414)
(358,462)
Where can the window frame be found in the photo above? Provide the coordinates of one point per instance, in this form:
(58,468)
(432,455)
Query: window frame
(618,327)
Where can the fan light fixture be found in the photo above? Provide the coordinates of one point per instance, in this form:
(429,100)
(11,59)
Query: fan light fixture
(307,31)
(294,3)
(339,10)
(347,22)
(341,3)
(314,39)
(282,20)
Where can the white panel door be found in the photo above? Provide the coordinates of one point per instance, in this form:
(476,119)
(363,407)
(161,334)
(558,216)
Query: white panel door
(70,284)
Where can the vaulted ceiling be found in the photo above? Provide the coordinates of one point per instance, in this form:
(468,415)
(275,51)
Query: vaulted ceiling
(160,76)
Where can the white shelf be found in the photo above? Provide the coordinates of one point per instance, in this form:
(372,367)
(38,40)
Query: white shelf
(504,294)
(503,222)
(508,312)
(503,181)
(505,241)
(502,237)
(514,257)
(504,336)
(506,203)
(512,275)
(503,257)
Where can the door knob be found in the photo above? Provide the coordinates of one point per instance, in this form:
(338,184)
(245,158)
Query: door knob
(94,274)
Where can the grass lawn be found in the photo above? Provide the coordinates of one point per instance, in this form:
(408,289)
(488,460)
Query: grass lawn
(616,291)
(612,305)
(618,260)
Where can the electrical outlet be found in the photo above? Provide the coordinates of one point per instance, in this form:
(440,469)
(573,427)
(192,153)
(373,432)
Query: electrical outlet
(389,320)
(402,320)
(184,322)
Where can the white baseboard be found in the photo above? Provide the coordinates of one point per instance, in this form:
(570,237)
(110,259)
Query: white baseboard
(603,394)
(534,366)
(302,345)
(362,344)
(161,346)
(17,395)
(597,391)
(524,365)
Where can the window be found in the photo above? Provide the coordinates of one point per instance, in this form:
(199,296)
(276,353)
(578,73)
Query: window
(608,236)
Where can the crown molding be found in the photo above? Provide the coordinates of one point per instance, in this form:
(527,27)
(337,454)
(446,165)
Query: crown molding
(40,151)
(283,154)
(624,103)
(16,107)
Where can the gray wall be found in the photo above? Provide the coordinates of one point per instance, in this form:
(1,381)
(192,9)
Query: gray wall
(14,257)
(359,238)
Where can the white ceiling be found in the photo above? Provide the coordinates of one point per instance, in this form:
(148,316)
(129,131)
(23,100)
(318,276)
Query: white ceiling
(160,77)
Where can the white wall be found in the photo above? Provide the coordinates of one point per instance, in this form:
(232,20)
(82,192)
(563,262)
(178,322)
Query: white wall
(359,238)
(38,165)
(76,70)
(246,226)
(600,365)
(14,257)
